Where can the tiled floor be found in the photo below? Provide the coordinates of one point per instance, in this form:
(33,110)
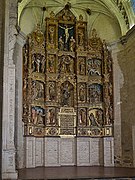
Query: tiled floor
(80,173)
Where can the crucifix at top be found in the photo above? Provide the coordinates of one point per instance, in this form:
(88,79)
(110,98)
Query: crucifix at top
(65,34)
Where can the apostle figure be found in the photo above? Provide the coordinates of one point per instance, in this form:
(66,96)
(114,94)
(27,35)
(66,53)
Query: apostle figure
(72,44)
(61,43)
(65,95)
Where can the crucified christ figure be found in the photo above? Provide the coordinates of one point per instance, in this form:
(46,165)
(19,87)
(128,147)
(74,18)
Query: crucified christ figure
(66,32)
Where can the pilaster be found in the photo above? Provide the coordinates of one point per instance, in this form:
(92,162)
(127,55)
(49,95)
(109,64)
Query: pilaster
(108,151)
(20,142)
(118,80)
(8,121)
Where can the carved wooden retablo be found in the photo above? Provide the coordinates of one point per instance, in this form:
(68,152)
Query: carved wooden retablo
(67,80)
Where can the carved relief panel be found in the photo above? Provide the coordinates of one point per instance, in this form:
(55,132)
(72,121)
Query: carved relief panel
(38,63)
(37,90)
(81,66)
(51,117)
(51,63)
(94,67)
(82,117)
(52,90)
(82,92)
(37,115)
(95,117)
(67,94)
(66,64)
(95,93)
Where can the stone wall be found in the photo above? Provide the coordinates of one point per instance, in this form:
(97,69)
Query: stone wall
(127,62)
(19,128)
(124,80)
(118,83)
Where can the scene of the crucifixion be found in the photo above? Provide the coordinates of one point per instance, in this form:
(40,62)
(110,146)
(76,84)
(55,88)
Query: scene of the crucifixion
(67,80)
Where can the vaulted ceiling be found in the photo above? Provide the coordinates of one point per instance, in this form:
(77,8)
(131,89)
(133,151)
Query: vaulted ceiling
(111,18)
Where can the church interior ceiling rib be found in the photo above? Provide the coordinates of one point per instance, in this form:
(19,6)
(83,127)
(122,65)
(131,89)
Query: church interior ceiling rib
(120,10)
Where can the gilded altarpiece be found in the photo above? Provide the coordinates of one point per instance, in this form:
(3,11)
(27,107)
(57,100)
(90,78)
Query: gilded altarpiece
(67,80)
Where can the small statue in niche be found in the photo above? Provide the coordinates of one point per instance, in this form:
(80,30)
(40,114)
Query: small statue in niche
(67,61)
(52,93)
(82,93)
(96,95)
(40,117)
(82,66)
(34,115)
(66,95)
(25,109)
(43,64)
(38,62)
(61,44)
(99,117)
(51,63)
(107,97)
(25,84)
(110,89)
(107,119)
(111,113)
(34,90)
(51,34)
(92,120)
(51,116)
(40,90)
(72,44)
(26,57)
(109,64)
(80,37)
(33,62)
(82,117)
(65,65)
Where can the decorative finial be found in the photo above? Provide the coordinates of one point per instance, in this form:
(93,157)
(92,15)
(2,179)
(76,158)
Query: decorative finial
(52,15)
(80,17)
(68,6)
(94,33)
(38,26)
